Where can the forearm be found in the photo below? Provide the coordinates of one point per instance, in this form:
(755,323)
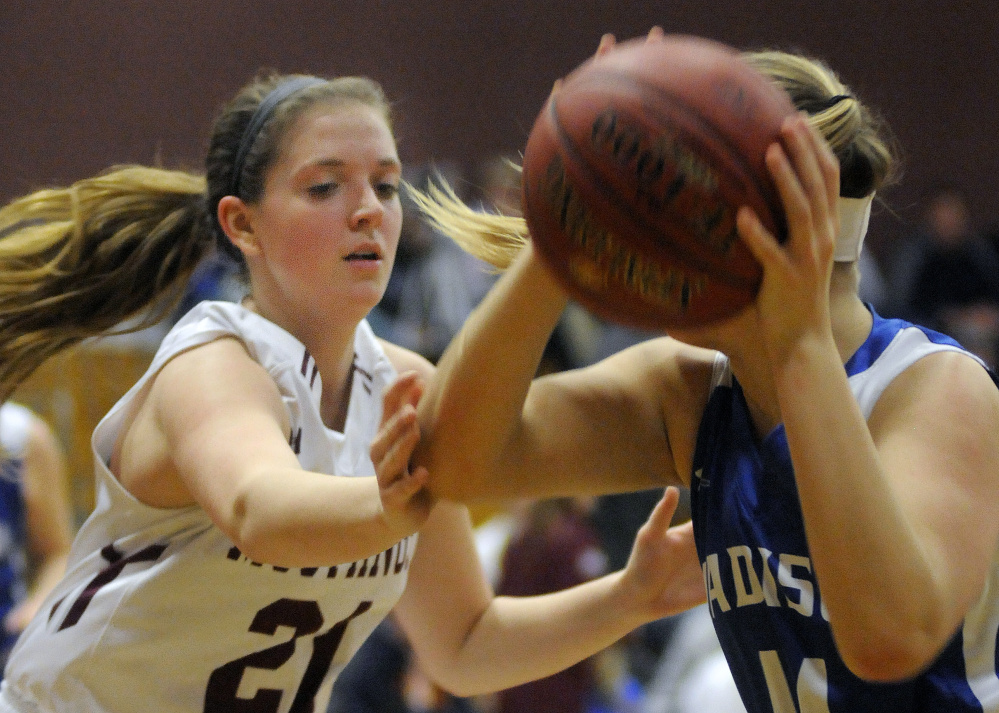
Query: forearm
(475,401)
(302,519)
(521,639)
(879,581)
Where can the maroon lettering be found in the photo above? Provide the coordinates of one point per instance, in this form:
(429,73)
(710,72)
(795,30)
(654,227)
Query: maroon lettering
(305,618)
(118,562)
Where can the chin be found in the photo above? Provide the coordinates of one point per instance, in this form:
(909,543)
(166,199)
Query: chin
(720,336)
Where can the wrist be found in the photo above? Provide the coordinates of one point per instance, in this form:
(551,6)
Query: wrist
(630,600)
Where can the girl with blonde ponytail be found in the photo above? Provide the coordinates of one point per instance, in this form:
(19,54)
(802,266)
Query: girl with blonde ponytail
(842,466)
(256,516)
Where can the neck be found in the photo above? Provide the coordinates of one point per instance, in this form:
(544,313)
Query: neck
(851,324)
(332,348)
(851,320)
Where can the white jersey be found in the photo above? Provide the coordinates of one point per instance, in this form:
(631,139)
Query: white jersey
(160,612)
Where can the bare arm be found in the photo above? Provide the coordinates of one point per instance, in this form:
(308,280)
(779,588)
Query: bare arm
(490,431)
(900,512)
(918,491)
(472,642)
(214,424)
(48,517)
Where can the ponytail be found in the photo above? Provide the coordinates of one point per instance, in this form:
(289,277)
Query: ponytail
(76,262)
(495,239)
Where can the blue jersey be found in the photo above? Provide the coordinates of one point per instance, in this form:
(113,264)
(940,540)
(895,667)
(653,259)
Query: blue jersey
(763,594)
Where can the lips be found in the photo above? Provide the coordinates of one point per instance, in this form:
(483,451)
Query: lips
(365,252)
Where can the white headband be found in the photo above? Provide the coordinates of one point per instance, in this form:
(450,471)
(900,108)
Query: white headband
(854,216)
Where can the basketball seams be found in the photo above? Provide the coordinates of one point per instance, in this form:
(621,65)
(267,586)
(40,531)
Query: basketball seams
(695,255)
(749,175)
(699,131)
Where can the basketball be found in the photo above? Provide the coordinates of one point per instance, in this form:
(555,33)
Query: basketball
(633,173)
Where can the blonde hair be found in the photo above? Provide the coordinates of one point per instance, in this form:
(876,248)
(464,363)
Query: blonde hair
(856,135)
(76,262)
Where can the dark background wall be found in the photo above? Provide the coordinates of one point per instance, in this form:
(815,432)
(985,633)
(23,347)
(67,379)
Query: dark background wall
(90,83)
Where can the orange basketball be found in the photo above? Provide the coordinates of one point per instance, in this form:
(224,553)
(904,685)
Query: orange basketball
(634,171)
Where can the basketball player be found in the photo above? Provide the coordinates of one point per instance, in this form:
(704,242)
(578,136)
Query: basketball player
(35,518)
(843,467)
(255,517)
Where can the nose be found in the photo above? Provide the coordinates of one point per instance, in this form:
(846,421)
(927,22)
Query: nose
(369,211)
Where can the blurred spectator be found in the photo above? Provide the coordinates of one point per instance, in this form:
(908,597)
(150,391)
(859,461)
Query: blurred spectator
(434,284)
(497,186)
(215,278)
(693,675)
(553,547)
(947,276)
(616,519)
(35,519)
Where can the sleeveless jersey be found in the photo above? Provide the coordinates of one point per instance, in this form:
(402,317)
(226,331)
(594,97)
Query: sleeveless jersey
(15,426)
(159,611)
(762,592)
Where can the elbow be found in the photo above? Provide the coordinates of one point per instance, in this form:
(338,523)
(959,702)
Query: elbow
(888,658)
(460,689)
(253,540)
(454,683)
(449,678)
(889,668)
(245,535)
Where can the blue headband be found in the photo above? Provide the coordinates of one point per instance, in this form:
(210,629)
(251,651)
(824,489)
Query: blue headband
(263,112)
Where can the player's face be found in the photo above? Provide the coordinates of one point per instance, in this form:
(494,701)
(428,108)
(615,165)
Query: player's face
(329,220)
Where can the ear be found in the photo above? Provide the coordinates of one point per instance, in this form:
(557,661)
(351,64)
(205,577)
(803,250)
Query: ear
(234,217)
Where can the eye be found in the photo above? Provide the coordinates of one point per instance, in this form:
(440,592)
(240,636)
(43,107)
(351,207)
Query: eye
(322,190)
(387,191)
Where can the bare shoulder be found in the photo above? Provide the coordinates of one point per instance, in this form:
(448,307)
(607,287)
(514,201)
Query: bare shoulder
(200,403)
(213,383)
(407,360)
(935,424)
(218,369)
(948,388)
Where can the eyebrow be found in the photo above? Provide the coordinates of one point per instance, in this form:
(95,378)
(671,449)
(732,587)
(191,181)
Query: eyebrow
(337,163)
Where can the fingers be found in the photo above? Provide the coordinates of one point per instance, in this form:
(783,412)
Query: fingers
(394,443)
(829,168)
(807,178)
(607,42)
(403,489)
(406,389)
(662,514)
(760,241)
(399,431)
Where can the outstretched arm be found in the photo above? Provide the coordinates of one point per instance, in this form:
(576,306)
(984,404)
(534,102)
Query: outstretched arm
(490,430)
(213,430)
(471,642)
